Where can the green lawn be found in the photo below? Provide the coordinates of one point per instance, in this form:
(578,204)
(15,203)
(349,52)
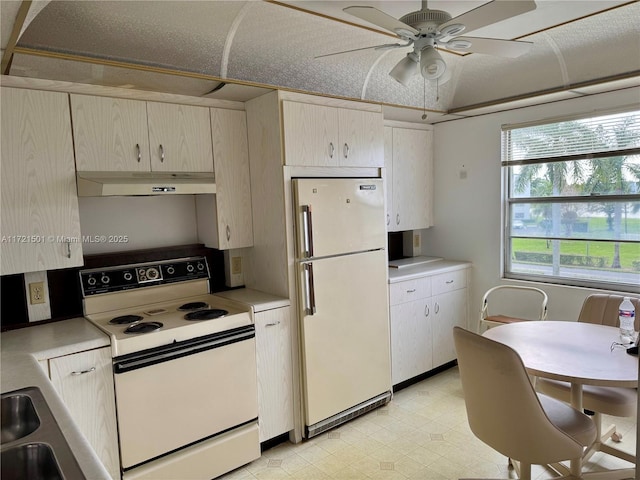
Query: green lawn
(628,252)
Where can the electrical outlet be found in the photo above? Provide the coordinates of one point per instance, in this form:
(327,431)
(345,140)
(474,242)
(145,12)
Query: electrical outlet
(416,240)
(236,265)
(36,293)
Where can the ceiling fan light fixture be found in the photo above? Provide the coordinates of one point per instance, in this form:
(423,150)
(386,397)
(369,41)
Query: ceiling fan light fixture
(453,29)
(405,69)
(432,65)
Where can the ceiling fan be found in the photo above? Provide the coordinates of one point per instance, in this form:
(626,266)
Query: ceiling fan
(427,30)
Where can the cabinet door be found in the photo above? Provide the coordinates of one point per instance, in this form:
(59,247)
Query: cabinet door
(275,377)
(411,351)
(450,310)
(110,134)
(85,383)
(179,138)
(310,135)
(233,182)
(412,179)
(40,221)
(388,170)
(361,138)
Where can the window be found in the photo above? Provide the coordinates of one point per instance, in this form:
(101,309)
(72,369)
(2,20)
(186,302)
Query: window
(572,201)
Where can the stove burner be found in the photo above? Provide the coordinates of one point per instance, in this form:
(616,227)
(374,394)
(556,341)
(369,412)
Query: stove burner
(125,319)
(208,314)
(193,306)
(143,327)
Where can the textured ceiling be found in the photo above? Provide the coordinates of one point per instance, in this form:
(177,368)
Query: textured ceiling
(270,44)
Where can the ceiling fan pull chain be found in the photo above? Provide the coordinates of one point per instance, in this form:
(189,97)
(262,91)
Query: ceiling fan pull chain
(424,98)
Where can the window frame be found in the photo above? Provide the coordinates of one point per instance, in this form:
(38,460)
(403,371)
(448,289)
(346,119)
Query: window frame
(508,202)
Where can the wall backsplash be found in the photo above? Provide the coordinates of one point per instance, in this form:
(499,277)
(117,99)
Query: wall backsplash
(134,223)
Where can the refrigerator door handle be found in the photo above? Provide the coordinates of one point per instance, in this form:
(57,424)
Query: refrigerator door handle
(309,294)
(307,229)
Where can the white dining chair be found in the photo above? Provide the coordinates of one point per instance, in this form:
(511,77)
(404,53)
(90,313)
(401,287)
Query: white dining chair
(506,413)
(488,320)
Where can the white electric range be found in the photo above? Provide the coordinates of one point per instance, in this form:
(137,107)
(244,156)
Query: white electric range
(184,369)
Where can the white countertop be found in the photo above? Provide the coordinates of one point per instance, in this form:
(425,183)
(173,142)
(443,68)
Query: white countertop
(21,350)
(259,301)
(425,269)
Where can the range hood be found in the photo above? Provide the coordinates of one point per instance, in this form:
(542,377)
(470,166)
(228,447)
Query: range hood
(105,184)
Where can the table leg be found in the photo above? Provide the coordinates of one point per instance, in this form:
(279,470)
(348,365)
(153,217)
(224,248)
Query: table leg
(576,402)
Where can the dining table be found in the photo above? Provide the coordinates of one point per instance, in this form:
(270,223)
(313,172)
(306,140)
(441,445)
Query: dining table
(578,353)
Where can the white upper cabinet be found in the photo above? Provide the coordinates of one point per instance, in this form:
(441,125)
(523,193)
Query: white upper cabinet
(409,168)
(322,136)
(40,222)
(361,142)
(119,135)
(110,134)
(179,138)
(225,219)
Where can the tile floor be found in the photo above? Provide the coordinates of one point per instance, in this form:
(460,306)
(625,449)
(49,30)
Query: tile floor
(421,434)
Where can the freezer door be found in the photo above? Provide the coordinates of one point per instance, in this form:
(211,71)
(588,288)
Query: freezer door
(345,338)
(339,215)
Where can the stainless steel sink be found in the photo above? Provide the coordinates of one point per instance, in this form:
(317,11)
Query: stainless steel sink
(33,447)
(19,418)
(30,460)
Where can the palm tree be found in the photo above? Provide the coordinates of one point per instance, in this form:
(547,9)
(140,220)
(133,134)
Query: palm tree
(609,176)
(554,175)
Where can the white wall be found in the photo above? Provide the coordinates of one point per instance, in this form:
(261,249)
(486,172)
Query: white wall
(468,211)
(147,222)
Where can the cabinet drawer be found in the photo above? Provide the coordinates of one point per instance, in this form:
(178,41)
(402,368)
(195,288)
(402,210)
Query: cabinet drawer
(446,282)
(409,290)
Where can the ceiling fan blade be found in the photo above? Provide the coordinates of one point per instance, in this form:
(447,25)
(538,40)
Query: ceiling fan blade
(381,19)
(375,47)
(494,46)
(491,12)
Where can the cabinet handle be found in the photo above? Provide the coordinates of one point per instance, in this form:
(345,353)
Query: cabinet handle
(273,324)
(345,150)
(398,219)
(436,307)
(82,372)
(331,149)
(426,310)
(68,249)
(411,291)
(228,233)
(161,154)
(388,219)
(449,282)
(139,152)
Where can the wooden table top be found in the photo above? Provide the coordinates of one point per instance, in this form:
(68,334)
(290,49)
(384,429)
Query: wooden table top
(574,352)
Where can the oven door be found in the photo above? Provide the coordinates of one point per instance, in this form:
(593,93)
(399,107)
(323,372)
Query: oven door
(176,395)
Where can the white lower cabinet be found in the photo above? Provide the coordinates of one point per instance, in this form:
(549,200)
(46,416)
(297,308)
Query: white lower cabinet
(423,312)
(84,381)
(275,376)
(410,339)
(449,311)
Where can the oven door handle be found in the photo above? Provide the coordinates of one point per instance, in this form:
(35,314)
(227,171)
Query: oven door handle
(173,351)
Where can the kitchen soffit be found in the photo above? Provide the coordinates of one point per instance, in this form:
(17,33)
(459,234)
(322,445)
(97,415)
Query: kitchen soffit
(270,44)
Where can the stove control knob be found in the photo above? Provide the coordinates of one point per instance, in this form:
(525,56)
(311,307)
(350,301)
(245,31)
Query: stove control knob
(127,276)
(171,270)
(91,281)
(152,273)
(200,266)
(105,279)
(190,268)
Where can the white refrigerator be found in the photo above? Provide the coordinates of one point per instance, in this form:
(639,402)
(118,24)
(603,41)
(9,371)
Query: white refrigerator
(342,292)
